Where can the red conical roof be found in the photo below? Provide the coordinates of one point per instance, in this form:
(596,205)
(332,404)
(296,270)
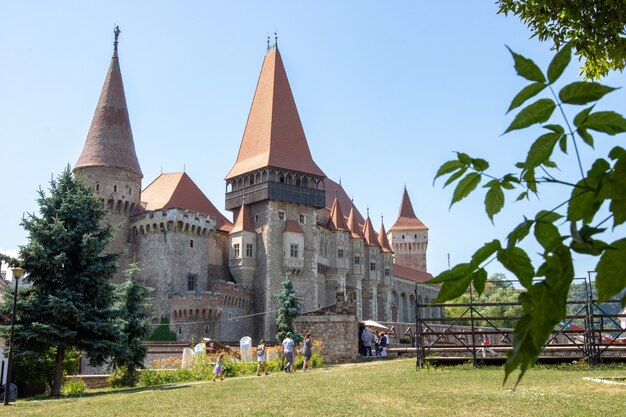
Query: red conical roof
(407,220)
(336,221)
(369,233)
(353,225)
(383,241)
(274,136)
(243,221)
(177,190)
(110,139)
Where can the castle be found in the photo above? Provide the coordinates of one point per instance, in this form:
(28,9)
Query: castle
(213,277)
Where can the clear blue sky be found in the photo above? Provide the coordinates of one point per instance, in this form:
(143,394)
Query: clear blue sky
(385,95)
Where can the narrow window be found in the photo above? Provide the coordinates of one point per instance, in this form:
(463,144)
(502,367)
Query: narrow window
(387,272)
(191,282)
(281,215)
(294,250)
(115,188)
(357,260)
(372,266)
(339,253)
(302,219)
(256,218)
(191,243)
(97,187)
(249,250)
(236,250)
(130,191)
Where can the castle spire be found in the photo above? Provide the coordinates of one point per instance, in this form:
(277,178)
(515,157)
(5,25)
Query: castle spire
(274,136)
(336,221)
(369,233)
(110,142)
(407,220)
(243,221)
(353,225)
(383,241)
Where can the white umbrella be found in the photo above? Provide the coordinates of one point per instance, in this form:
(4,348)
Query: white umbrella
(374,325)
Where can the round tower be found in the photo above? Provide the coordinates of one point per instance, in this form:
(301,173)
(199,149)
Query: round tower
(108,163)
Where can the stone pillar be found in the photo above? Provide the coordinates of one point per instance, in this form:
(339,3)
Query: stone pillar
(370,290)
(384,303)
(335,283)
(355,284)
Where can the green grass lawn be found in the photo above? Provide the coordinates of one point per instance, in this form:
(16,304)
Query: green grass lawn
(384,388)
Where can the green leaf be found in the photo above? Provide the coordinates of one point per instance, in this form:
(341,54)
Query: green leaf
(465,186)
(607,122)
(527,68)
(507,185)
(559,63)
(479,279)
(583,204)
(482,254)
(586,137)
(464,158)
(450,290)
(494,201)
(548,236)
(527,92)
(583,92)
(541,150)
(563,144)
(538,112)
(519,233)
(580,118)
(448,167)
(480,164)
(457,272)
(547,216)
(611,278)
(555,128)
(522,196)
(455,176)
(517,261)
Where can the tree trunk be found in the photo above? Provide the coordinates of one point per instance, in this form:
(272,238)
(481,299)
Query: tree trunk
(58,371)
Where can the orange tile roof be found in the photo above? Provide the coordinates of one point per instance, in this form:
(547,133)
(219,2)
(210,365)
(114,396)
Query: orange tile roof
(292,226)
(178,190)
(110,142)
(274,136)
(383,241)
(336,221)
(407,220)
(410,274)
(353,225)
(369,233)
(243,222)
(334,190)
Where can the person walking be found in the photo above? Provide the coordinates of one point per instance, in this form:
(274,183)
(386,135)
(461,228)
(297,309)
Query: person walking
(307,352)
(383,342)
(218,371)
(261,358)
(366,338)
(288,352)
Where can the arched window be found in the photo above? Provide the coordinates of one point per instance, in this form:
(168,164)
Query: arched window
(404,308)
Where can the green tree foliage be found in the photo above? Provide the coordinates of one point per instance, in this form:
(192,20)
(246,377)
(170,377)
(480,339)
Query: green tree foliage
(70,303)
(132,304)
(601,186)
(163,333)
(288,310)
(497,290)
(595,28)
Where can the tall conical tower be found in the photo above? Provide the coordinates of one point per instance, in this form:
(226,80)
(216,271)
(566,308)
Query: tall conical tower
(282,188)
(109,163)
(409,237)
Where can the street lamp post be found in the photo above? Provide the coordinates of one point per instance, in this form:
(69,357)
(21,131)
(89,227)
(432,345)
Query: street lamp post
(17,274)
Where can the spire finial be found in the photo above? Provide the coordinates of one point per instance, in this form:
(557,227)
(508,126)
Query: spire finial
(368,210)
(116,32)
(336,191)
(276,38)
(268,41)
(382,220)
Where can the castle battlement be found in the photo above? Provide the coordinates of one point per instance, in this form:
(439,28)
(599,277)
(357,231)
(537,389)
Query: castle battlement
(174,220)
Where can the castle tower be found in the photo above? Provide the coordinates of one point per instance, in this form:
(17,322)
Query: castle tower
(338,254)
(409,237)
(282,187)
(384,287)
(354,280)
(242,243)
(109,163)
(373,263)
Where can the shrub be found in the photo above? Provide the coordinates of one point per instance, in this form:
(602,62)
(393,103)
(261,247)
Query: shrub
(74,388)
(163,332)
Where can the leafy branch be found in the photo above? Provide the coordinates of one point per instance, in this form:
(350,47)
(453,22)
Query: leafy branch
(546,288)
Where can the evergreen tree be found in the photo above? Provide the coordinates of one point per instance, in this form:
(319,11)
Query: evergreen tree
(288,310)
(70,303)
(132,303)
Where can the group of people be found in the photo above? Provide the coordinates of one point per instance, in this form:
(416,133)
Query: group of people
(378,340)
(289,352)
